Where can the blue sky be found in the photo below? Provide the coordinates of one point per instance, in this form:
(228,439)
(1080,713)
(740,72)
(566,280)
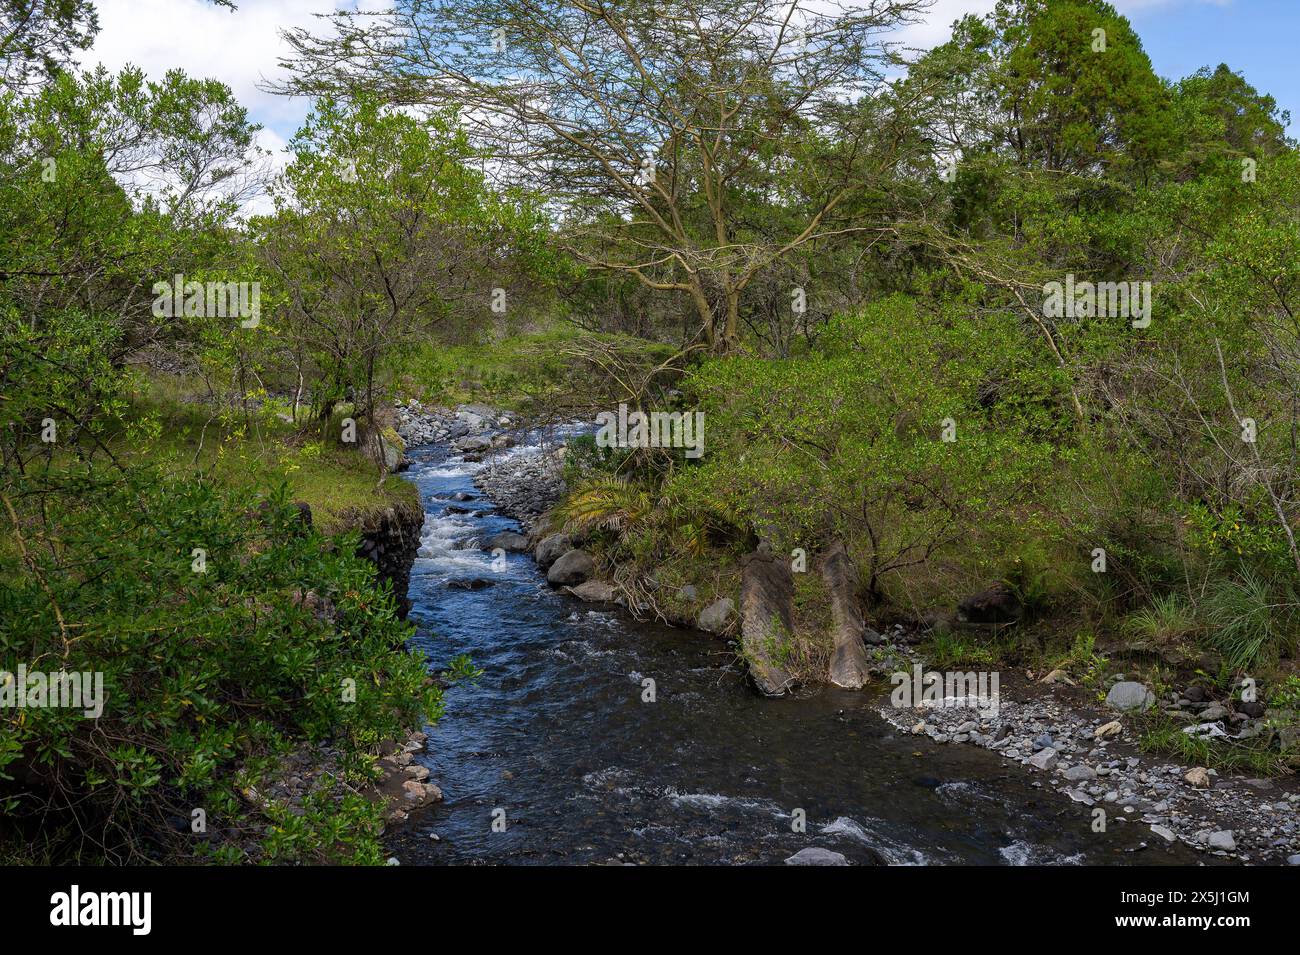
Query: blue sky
(1256,38)
(240,48)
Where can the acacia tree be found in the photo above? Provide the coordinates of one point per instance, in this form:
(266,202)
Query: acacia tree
(655,128)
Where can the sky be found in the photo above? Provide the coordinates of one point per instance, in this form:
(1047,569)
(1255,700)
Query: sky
(241,48)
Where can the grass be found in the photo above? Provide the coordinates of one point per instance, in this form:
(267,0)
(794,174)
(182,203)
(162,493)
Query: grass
(1257,756)
(520,372)
(1251,619)
(338,483)
(943,650)
(1166,620)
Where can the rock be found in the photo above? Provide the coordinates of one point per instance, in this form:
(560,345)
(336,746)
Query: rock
(1164,833)
(1080,773)
(1254,709)
(1213,713)
(573,568)
(1199,777)
(1293,860)
(470,583)
(766,619)
(1043,759)
(594,591)
(1109,729)
(814,855)
(1057,676)
(1223,839)
(870,636)
(715,617)
(1128,695)
(849,667)
(508,541)
(997,604)
(472,442)
(551,549)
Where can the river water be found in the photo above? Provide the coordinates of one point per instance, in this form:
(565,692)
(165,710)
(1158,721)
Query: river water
(556,742)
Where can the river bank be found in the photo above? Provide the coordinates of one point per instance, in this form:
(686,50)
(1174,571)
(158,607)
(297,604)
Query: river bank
(1083,755)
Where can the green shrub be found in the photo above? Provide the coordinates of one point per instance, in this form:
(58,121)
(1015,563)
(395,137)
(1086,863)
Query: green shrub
(1250,619)
(209,676)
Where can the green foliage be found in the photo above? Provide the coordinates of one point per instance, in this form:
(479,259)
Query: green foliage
(203,671)
(1167,619)
(848,440)
(945,650)
(1251,619)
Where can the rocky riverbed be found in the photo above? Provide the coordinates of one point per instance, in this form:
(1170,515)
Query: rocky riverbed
(1088,754)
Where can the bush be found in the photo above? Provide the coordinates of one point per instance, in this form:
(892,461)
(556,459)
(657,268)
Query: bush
(211,670)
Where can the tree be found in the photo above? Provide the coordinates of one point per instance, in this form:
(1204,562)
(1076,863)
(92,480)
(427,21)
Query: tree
(383,229)
(38,37)
(653,127)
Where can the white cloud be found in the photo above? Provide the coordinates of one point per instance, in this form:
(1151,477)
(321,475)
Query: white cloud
(241,47)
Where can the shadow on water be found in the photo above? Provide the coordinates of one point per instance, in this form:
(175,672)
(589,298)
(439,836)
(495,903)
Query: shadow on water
(555,733)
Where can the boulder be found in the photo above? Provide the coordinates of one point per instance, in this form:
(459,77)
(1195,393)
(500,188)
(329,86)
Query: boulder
(595,591)
(470,583)
(573,568)
(849,667)
(766,618)
(997,604)
(1223,839)
(473,442)
(815,855)
(1129,695)
(715,617)
(1043,759)
(551,549)
(508,541)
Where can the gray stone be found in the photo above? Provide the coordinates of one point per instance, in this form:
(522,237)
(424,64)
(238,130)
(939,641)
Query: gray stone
(1080,773)
(573,568)
(714,617)
(551,549)
(1043,759)
(1213,712)
(1164,832)
(1223,839)
(594,591)
(508,541)
(1128,695)
(815,855)
(767,619)
(849,667)
(473,442)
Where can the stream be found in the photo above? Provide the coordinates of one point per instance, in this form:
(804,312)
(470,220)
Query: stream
(555,740)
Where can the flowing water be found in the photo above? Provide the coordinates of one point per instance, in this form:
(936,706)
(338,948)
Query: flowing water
(555,739)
